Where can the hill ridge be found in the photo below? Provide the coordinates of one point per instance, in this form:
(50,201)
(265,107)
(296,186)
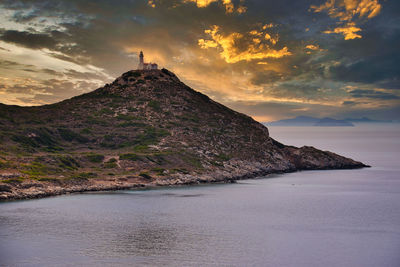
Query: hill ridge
(145,128)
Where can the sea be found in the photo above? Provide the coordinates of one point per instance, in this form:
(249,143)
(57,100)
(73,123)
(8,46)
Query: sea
(310,218)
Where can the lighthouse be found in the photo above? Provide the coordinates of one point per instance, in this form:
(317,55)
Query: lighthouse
(145,66)
(141,61)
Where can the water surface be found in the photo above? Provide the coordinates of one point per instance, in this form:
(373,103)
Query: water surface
(313,218)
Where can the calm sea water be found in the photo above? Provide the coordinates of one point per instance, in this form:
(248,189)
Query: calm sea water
(314,218)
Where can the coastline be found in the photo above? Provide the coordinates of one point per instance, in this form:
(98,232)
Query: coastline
(31,189)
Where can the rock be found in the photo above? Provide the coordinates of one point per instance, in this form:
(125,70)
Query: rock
(9,175)
(5,188)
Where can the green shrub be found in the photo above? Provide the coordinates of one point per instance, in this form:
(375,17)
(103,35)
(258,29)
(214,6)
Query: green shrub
(4,164)
(165,71)
(131,124)
(223,157)
(129,156)
(150,136)
(68,162)
(86,131)
(110,164)
(126,117)
(145,175)
(106,111)
(35,138)
(159,171)
(192,118)
(136,74)
(97,121)
(95,158)
(141,148)
(157,158)
(69,135)
(155,105)
(13,180)
(35,169)
(84,175)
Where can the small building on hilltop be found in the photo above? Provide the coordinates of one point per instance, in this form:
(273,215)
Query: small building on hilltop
(146,66)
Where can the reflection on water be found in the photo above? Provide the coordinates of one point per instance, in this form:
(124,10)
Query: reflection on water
(317,218)
(145,239)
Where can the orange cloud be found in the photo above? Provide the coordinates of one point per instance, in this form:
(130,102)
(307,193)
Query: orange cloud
(255,48)
(347,11)
(229,6)
(312,47)
(151,3)
(349,31)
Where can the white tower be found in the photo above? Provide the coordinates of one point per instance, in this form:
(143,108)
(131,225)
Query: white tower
(141,61)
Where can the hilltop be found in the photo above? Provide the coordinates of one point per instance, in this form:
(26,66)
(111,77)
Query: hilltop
(146,128)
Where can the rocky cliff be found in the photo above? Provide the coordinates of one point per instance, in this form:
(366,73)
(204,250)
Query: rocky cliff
(146,128)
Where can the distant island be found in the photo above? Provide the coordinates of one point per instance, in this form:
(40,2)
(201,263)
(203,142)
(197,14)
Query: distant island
(326,122)
(146,128)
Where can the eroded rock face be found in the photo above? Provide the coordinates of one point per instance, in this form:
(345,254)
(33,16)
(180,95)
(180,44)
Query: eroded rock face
(146,128)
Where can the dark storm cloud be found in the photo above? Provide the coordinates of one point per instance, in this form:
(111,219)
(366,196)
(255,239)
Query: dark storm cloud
(51,72)
(12,65)
(348,103)
(362,93)
(265,77)
(7,64)
(22,17)
(27,39)
(377,62)
(51,90)
(83,75)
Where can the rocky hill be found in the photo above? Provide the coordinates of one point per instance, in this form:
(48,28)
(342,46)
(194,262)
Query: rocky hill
(146,128)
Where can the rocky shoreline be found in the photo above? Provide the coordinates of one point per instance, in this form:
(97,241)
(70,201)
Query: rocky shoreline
(30,189)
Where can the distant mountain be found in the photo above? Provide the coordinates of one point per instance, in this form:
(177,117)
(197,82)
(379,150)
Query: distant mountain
(366,120)
(333,122)
(310,121)
(298,121)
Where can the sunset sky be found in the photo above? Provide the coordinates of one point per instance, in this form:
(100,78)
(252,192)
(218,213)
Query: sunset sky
(269,59)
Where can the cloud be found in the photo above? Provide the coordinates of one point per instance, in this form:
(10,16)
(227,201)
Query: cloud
(348,12)
(228,4)
(235,46)
(312,47)
(376,94)
(8,64)
(85,75)
(374,61)
(349,31)
(45,92)
(27,39)
(265,77)
(348,103)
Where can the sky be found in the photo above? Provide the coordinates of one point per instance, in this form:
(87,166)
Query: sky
(269,59)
